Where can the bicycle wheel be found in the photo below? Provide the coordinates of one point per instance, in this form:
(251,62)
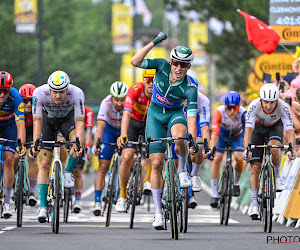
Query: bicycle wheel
(111,192)
(185,206)
(19,194)
(269,199)
(1,192)
(67,201)
(57,197)
(136,185)
(222,193)
(228,195)
(173,186)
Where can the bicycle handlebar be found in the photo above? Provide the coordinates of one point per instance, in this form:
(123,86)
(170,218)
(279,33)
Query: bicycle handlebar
(288,147)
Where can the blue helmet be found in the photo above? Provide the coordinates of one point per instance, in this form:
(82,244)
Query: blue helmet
(232,98)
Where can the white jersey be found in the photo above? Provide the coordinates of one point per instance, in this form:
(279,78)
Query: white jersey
(42,101)
(108,113)
(203,110)
(256,114)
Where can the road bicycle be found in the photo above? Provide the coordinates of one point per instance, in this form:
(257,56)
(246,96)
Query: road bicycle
(2,142)
(112,187)
(22,186)
(56,184)
(267,185)
(226,184)
(172,204)
(135,183)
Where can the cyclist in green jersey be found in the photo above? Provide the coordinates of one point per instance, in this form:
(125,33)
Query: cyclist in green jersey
(171,88)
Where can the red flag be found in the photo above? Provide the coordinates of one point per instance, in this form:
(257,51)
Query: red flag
(263,37)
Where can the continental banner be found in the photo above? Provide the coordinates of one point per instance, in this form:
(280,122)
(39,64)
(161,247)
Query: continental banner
(198,37)
(25,19)
(121,28)
(292,209)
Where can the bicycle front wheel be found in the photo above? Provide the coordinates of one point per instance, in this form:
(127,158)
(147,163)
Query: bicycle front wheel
(173,187)
(137,184)
(20,194)
(228,195)
(185,206)
(222,194)
(111,192)
(67,201)
(269,199)
(57,197)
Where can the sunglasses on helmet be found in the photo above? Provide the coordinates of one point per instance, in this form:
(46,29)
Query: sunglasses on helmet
(181,64)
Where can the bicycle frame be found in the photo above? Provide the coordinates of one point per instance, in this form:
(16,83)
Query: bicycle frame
(26,178)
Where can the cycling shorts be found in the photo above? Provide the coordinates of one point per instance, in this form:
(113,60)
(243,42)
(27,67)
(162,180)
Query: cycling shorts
(158,119)
(8,130)
(135,129)
(81,162)
(263,134)
(236,143)
(111,135)
(51,126)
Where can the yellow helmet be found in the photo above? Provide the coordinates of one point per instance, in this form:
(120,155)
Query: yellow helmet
(149,72)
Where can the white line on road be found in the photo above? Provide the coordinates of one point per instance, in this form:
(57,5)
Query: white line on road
(88,191)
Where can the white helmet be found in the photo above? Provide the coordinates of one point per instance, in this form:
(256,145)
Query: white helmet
(269,92)
(182,54)
(118,89)
(58,81)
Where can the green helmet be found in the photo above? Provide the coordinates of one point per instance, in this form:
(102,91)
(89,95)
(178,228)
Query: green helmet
(182,54)
(118,89)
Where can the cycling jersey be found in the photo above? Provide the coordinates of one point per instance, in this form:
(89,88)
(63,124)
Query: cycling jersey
(13,107)
(203,110)
(227,126)
(256,114)
(89,117)
(136,102)
(171,96)
(42,101)
(109,114)
(28,120)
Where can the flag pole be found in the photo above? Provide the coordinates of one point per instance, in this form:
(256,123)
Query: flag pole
(286,49)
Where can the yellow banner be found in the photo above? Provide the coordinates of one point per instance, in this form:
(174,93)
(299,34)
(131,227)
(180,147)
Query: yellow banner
(292,208)
(26,12)
(253,82)
(121,28)
(198,37)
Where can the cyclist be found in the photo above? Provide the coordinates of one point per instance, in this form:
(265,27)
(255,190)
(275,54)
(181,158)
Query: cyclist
(266,118)
(12,126)
(108,130)
(171,88)
(57,106)
(26,92)
(78,169)
(228,126)
(133,125)
(203,116)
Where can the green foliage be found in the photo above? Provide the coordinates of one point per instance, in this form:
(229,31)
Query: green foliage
(233,49)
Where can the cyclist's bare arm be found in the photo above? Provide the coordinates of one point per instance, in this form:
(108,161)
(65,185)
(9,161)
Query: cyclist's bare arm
(137,59)
(247,136)
(124,126)
(37,130)
(21,134)
(205,133)
(290,134)
(99,134)
(79,126)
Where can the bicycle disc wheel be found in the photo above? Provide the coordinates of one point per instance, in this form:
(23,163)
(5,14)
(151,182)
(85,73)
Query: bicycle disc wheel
(57,197)
(172,168)
(111,192)
(185,206)
(136,185)
(19,194)
(228,195)
(67,201)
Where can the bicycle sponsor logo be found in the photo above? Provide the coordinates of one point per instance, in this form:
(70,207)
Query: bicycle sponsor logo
(283,239)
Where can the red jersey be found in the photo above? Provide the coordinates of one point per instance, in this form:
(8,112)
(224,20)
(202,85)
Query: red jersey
(136,102)
(28,120)
(89,117)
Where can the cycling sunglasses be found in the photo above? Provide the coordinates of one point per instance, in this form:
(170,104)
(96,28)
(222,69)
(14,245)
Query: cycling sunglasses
(5,91)
(27,100)
(235,108)
(148,79)
(181,64)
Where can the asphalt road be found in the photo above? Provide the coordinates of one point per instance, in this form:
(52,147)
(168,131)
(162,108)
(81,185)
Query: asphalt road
(85,231)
